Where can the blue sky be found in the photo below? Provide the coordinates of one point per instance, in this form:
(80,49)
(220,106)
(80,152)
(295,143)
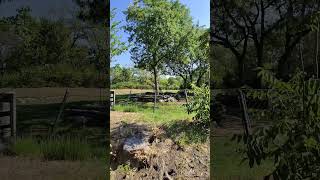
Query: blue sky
(200,11)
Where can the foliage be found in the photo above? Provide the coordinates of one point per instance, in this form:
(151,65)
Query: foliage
(52,76)
(189,59)
(134,78)
(117,47)
(43,42)
(200,104)
(245,29)
(155,27)
(48,53)
(292,140)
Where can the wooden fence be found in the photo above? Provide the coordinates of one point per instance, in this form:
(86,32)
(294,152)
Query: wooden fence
(112,98)
(7,115)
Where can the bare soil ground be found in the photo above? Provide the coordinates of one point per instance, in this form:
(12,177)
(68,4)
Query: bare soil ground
(163,159)
(17,168)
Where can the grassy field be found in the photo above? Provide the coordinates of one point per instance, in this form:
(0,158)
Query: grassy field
(172,116)
(164,113)
(226,161)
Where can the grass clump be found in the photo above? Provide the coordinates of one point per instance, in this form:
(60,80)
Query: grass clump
(65,148)
(163,114)
(57,148)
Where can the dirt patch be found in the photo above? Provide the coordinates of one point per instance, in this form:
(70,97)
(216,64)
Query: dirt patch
(163,158)
(17,168)
(116,118)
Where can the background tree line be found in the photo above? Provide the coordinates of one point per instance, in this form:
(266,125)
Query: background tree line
(278,35)
(135,78)
(37,52)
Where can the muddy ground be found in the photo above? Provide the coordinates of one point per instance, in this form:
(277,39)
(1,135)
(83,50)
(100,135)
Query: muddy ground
(163,158)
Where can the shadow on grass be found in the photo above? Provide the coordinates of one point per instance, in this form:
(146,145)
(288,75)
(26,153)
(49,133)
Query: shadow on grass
(186,132)
(41,114)
(226,161)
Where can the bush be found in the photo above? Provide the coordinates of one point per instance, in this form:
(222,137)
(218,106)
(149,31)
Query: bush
(292,139)
(200,104)
(64,75)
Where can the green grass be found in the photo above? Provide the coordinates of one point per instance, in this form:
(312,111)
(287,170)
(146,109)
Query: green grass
(26,147)
(164,113)
(226,160)
(178,123)
(65,149)
(62,148)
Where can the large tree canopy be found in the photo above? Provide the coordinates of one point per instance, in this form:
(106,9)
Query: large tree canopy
(258,30)
(155,27)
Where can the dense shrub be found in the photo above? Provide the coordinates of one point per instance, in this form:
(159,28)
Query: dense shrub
(200,104)
(292,140)
(64,75)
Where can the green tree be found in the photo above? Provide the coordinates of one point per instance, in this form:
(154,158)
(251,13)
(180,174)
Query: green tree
(189,59)
(155,26)
(117,47)
(200,105)
(43,42)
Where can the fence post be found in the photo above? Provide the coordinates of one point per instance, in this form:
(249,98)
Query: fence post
(245,117)
(112,98)
(13,116)
(60,111)
(8,116)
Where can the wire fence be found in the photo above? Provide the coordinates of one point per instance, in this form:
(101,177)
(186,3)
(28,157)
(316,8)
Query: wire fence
(45,111)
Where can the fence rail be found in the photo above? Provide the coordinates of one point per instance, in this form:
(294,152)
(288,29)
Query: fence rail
(8,115)
(112,98)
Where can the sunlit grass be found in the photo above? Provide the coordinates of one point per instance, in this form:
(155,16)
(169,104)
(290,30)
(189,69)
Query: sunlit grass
(57,148)
(164,113)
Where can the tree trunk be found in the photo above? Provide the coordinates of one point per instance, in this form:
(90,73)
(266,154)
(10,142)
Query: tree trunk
(240,71)
(155,78)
